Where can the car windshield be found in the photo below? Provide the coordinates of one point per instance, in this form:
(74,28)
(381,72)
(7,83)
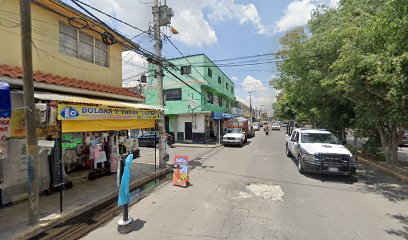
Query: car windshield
(319,138)
(275,124)
(234,130)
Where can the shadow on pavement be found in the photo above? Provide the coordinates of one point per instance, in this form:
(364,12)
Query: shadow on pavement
(138,225)
(403,219)
(370,181)
(328,178)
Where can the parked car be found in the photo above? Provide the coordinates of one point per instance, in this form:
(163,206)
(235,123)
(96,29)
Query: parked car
(234,136)
(319,151)
(148,139)
(276,126)
(404,140)
(251,132)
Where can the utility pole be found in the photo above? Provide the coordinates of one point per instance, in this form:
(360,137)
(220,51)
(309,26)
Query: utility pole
(250,105)
(31,128)
(159,75)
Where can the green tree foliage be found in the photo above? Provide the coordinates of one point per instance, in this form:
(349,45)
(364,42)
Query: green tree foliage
(349,68)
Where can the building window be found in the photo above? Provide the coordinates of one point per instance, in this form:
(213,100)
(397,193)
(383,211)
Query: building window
(186,70)
(172,94)
(209,72)
(220,101)
(75,43)
(226,104)
(210,98)
(226,85)
(232,89)
(219,80)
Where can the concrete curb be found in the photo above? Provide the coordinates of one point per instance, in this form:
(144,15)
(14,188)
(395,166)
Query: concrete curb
(195,145)
(383,169)
(46,225)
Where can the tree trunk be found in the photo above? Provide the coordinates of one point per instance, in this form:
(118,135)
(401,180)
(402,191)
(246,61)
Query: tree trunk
(390,136)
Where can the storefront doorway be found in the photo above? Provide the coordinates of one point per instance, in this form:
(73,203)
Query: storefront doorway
(188,126)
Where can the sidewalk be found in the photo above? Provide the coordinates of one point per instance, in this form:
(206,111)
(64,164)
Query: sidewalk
(81,196)
(399,170)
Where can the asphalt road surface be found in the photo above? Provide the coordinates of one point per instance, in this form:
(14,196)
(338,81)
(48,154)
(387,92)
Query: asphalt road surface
(256,192)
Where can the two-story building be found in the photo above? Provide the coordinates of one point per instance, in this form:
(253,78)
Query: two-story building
(77,75)
(195,110)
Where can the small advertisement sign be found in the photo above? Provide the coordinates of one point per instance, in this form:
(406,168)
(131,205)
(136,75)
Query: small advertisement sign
(180,173)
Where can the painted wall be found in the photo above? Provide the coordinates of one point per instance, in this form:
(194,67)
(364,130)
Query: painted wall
(198,121)
(46,55)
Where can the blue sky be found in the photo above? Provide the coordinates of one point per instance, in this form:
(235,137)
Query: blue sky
(221,29)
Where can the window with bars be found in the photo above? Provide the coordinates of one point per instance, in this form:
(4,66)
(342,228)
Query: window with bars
(75,43)
(220,101)
(232,89)
(172,94)
(210,97)
(226,85)
(185,70)
(219,80)
(209,72)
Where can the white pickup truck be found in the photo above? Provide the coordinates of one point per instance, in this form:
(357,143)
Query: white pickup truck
(319,151)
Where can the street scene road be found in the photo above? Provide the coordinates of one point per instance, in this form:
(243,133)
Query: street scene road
(256,192)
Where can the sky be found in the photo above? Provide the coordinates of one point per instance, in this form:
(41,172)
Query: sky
(221,29)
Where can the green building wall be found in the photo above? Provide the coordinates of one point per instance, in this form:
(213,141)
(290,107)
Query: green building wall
(210,84)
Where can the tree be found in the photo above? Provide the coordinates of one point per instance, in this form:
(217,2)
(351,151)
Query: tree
(349,68)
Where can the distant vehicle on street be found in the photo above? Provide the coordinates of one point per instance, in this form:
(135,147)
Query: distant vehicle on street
(319,151)
(404,140)
(256,126)
(234,136)
(251,132)
(276,126)
(151,139)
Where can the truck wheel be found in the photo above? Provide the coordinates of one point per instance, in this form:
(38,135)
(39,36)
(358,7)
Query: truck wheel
(300,167)
(288,153)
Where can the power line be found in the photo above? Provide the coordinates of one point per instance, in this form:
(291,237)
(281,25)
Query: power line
(108,15)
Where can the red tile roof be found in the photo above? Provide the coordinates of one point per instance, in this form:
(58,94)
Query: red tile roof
(16,72)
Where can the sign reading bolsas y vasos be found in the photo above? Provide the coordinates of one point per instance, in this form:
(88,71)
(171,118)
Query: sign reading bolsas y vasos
(83,112)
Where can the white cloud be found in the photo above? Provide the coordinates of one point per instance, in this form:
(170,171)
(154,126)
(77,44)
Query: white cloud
(234,78)
(133,66)
(251,84)
(298,13)
(193,29)
(245,13)
(262,95)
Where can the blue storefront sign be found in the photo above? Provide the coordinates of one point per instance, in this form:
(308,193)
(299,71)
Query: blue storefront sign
(5,100)
(228,115)
(216,115)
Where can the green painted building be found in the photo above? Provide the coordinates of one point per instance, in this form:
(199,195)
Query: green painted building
(192,110)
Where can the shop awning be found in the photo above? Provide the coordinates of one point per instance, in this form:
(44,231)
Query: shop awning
(81,114)
(84,100)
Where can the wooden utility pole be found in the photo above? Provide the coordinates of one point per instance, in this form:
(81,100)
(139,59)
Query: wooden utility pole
(30,122)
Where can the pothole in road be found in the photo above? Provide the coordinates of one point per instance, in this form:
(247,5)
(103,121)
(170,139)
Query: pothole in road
(261,190)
